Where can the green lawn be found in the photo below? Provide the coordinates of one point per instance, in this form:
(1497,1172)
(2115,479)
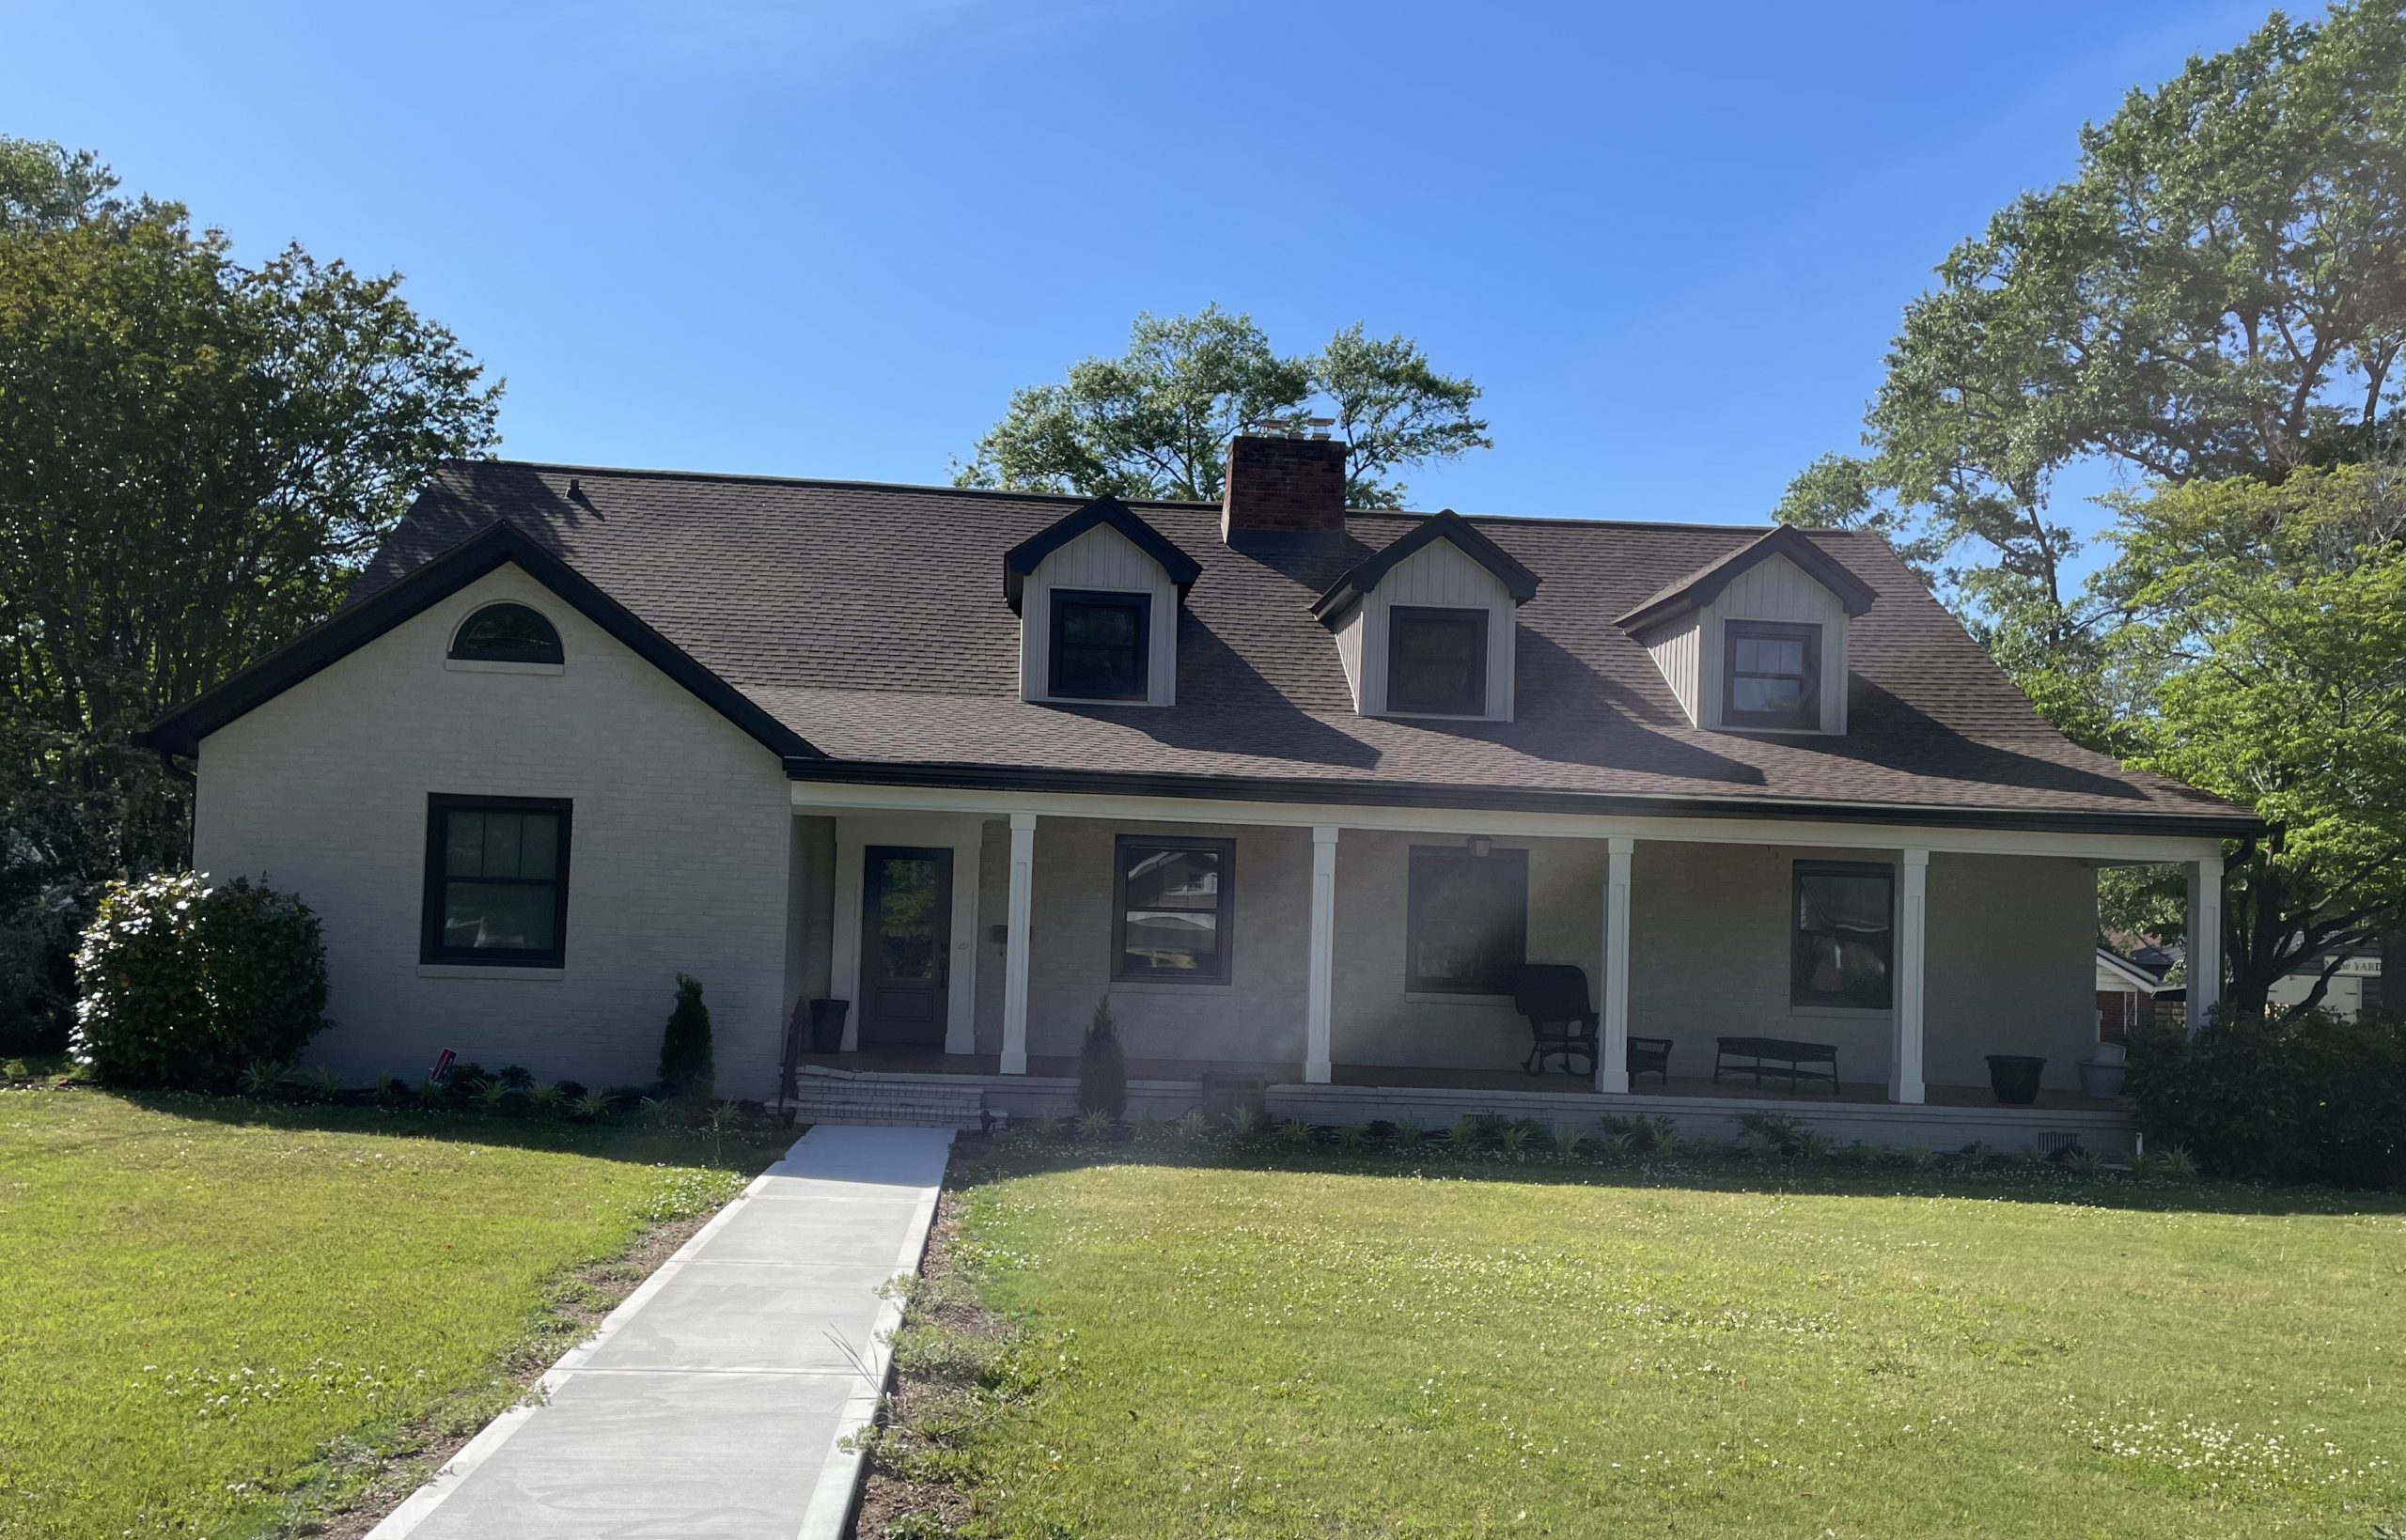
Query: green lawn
(1374,1352)
(200,1300)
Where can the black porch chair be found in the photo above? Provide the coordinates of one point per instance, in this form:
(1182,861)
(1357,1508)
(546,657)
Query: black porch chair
(1554,996)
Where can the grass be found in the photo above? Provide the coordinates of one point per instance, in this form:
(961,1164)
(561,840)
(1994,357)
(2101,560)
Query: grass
(216,1314)
(1297,1344)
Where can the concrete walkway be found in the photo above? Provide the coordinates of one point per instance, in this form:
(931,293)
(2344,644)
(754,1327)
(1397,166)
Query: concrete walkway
(710,1403)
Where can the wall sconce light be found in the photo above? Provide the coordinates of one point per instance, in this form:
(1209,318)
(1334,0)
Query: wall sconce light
(1480,845)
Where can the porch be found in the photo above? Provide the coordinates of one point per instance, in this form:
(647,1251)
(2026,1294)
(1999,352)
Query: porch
(1315,956)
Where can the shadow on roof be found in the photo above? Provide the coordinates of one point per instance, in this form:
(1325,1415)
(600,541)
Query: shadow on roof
(1885,730)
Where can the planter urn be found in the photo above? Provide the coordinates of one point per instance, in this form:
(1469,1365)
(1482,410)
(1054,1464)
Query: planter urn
(2014,1078)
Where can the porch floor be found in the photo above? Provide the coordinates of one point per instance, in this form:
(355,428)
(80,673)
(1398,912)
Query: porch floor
(1401,1078)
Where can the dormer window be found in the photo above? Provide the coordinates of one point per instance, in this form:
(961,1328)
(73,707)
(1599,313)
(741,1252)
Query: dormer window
(1436,661)
(1773,675)
(1102,646)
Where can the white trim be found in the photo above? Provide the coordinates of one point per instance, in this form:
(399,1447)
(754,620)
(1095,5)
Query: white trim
(1318,1003)
(1896,828)
(493,971)
(1612,1060)
(1913,911)
(497,665)
(1015,939)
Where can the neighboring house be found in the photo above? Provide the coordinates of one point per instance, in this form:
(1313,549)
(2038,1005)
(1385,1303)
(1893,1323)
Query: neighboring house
(2126,994)
(1293,787)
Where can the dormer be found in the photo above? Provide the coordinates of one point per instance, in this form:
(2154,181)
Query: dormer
(1098,597)
(1757,641)
(1426,628)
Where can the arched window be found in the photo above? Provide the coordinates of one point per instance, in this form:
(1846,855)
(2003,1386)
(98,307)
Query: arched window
(507,634)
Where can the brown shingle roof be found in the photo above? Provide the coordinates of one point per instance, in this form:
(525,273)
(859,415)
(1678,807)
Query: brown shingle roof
(869,619)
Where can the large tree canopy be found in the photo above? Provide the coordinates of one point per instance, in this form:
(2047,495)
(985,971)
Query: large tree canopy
(1156,422)
(2214,303)
(195,456)
(2219,290)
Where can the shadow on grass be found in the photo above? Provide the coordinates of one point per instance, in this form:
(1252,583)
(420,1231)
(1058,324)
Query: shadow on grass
(620,1138)
(977,1161)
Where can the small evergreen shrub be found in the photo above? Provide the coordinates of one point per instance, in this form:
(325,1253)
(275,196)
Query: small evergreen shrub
(2313,1099)
(1103,1067)
(186,984)
(686,1067)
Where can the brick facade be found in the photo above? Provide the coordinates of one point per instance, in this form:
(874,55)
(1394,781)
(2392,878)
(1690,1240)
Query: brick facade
(1283,485)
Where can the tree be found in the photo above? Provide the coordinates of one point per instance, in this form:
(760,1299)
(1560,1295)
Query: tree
(196,455)
(2273,616)
(2219,291)
(1156,422)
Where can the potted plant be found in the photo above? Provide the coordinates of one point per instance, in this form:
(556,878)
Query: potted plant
(2101,1076)
(2014,1078)
(827,1025)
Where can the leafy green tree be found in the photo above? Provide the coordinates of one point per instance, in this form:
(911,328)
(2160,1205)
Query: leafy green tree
(196,455)
(2273,615)
(1156,422)
(2219,290)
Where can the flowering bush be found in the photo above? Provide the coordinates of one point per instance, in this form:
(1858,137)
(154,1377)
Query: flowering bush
(181,984)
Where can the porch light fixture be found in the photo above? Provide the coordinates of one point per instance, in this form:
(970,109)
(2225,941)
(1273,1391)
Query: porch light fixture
(1480,845)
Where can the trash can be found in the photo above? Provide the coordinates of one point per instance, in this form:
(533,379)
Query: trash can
(2014,1078)
(827,1025)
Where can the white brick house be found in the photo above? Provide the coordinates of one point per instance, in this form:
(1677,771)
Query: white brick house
(1297,790)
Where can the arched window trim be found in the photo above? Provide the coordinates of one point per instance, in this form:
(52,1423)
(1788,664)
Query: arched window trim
(533,653)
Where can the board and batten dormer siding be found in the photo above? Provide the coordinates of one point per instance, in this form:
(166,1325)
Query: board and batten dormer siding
(1441,576)
(1105,561)
(1691,654)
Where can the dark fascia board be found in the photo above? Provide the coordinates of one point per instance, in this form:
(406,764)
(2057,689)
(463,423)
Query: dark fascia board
(1445,524)
(496,545)
(2232,825)
(1703,585)
(1022,559)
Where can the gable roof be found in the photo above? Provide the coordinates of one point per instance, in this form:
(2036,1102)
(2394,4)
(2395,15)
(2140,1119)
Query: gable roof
(860,618)
(1445,524)
(1703,585)
(2112,962)
(497,544)
(1024,559)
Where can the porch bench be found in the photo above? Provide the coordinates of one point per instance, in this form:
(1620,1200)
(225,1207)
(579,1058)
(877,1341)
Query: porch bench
(1794,1060)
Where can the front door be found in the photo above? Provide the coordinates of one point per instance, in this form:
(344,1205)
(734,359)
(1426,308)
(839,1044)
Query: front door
(906,945)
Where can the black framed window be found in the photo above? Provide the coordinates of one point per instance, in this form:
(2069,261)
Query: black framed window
(1437,660)
(496,880)
(1468,920)
(1845,934)
(1175,899)
(507,634)
(1102,646)
(1770,675)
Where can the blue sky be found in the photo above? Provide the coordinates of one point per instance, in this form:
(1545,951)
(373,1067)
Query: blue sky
(828,239)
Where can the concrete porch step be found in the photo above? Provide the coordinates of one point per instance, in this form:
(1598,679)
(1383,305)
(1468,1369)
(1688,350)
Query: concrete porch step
(838,1097)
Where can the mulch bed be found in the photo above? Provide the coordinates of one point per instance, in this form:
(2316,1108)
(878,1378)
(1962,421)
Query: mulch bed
(888,1494)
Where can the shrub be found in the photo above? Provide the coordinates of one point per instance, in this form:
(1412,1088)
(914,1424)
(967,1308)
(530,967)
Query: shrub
(1102,1068)
(186,984)
(685,1067)
(2312,1098)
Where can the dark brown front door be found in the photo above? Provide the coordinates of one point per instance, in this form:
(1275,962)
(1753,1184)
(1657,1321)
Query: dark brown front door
(906,945)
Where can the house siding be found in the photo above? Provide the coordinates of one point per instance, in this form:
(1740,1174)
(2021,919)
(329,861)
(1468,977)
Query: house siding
(681,853)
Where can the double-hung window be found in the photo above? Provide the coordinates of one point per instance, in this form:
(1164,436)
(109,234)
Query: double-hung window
(1467,919)
(1770,675)
(1174,898)
(1436,661)
(1845,936)
(1102,646)
(496,881)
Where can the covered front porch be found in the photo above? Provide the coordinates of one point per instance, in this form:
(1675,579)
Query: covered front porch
(1329,954)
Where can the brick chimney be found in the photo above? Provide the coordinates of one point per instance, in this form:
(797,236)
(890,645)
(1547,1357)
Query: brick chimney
(1283,485)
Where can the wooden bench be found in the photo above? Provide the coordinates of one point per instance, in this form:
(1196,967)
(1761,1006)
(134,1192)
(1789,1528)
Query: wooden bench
(1795,1059)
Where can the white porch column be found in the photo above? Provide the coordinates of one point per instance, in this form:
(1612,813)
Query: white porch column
(2205,940)
(1319,1008)
(1612,1063)
(1913,907)
(1015,944)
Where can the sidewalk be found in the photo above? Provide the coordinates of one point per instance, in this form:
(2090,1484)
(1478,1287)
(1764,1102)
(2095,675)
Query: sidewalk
(710,1402)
